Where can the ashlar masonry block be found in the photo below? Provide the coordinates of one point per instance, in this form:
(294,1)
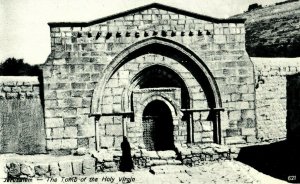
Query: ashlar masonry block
(69,143)
(115,129)
(235,140)
(54,122)
(70,132)
(54,144)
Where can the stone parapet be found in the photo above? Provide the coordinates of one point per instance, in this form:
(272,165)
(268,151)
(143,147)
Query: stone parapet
(19,87)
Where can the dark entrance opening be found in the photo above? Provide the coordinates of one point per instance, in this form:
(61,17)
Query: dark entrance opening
(158,127)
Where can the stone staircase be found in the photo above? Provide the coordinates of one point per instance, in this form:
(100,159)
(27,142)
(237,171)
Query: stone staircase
(184,154)
(156,158)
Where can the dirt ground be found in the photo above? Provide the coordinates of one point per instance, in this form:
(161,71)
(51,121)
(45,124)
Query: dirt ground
(210,172)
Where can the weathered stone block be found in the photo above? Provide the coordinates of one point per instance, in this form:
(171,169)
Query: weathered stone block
(86,130)
(51,103)
(9,82)
(50,95)
(206,125)
(83,142)
(92,143)
(91,85)
(184,151)
(86,102)
(54,169)
(108,156)
(69,122)
(115,129)
(54,122)
(109,164)
(69,143)
(15,89)
(196,150)
(235,97)
(107,141)
(13,169)
(234,115)
(59,61)
(242,105)
(150,154)
(70,132)
(83,111)
(246,123)
(197,137)
(248,131)
(89,166)
(248,114)
(62,94)
(235,140)
(220,38)
(2,96)
(166,154)
(12,95)
(77,167)
(41,170)
(56,132)
(207,139)
(248,97)
(59,86)
(78,85)
(54,144)
(251,139)
(69,112)
(77,93)
(70,102)
(65,168)
(233,132)
(27,169)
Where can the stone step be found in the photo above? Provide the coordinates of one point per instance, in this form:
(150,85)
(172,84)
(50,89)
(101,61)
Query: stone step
(168,169)
(165,155)
(158,162)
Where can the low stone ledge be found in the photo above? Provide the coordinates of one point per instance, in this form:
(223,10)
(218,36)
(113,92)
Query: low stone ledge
(29,166)
(19,80)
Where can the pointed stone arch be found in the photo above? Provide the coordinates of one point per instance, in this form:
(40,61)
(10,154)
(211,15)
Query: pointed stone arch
(156,44)
(126,95)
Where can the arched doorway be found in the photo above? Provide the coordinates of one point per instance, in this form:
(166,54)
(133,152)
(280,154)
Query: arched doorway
(158,127)
(137,72)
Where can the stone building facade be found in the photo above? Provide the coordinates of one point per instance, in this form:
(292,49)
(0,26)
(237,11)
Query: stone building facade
(161,76)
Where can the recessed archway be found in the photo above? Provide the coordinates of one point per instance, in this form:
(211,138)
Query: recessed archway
(158,126)
(166,48)
(157,76)
(176,59)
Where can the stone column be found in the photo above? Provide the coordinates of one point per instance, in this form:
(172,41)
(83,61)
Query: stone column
(97,137)
(192,127)
(125,119)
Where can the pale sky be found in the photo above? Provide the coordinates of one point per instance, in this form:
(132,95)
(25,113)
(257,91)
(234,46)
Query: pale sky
(24,32)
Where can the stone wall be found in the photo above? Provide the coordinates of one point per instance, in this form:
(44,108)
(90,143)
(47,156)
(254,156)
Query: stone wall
(108,160)
(79,55)
(19,87)
(21,115)
(271,95)
(46,166)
